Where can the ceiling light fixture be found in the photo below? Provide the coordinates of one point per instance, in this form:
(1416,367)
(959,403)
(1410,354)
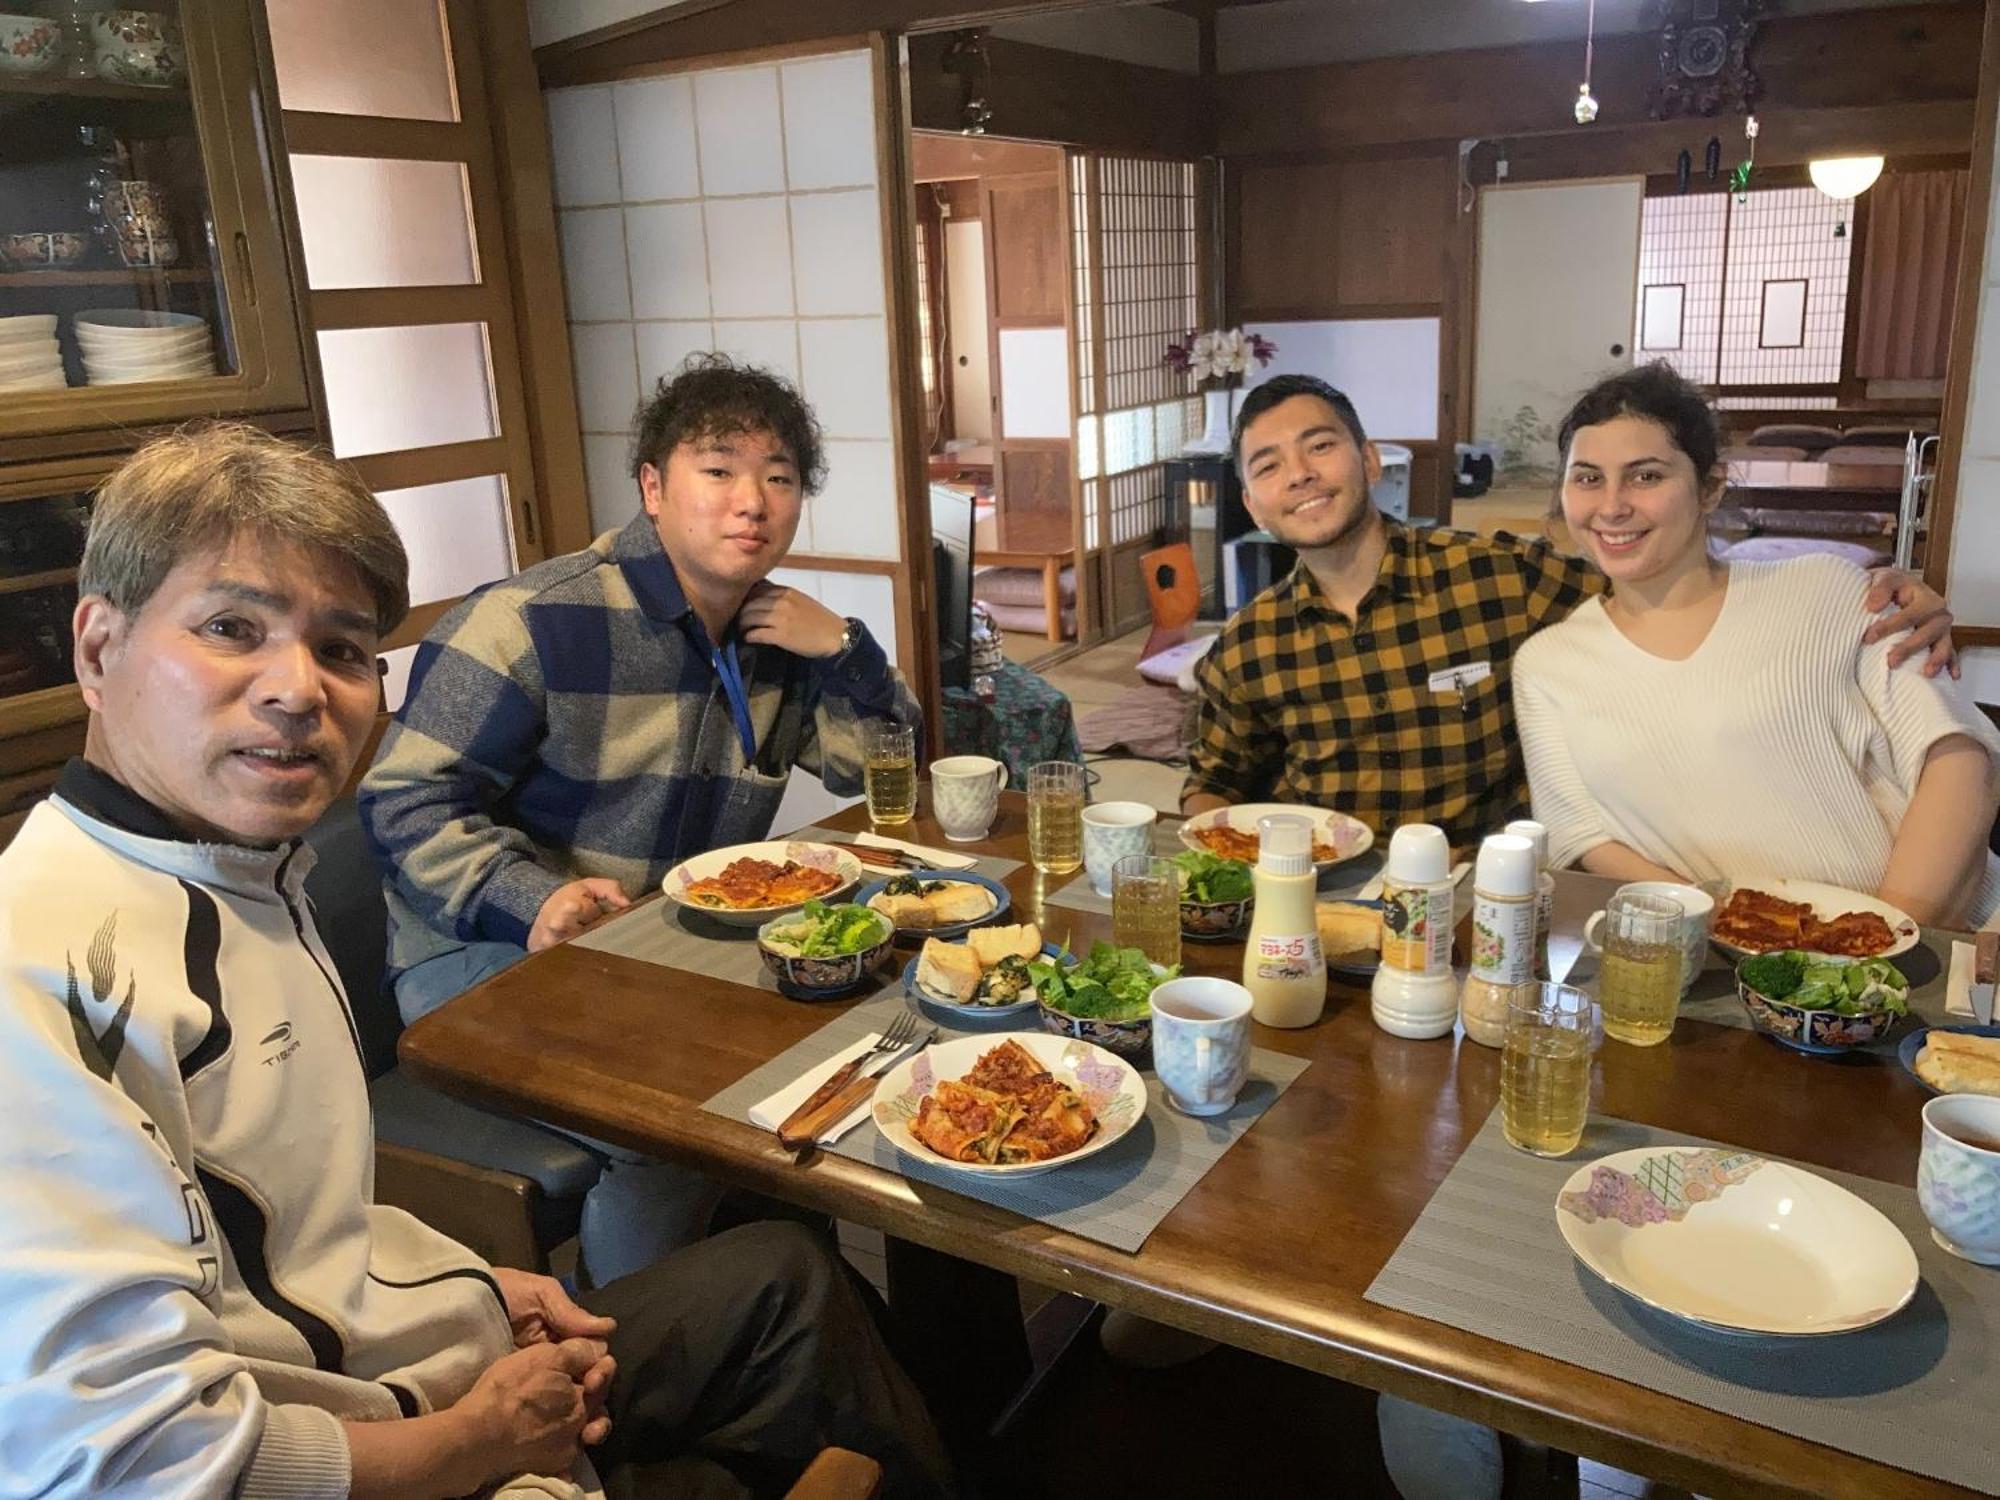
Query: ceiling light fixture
(1845,177)
(1586,102)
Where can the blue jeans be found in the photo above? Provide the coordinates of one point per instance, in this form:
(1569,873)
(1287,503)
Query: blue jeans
(1432,1455)
(639,1209)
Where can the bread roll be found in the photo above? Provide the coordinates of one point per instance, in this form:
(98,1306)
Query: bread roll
(991,944)
(958,901)
(1964,1044)
(904,911)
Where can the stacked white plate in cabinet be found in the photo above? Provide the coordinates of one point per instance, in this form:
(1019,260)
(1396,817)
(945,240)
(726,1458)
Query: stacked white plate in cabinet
(122,344)
(30,358)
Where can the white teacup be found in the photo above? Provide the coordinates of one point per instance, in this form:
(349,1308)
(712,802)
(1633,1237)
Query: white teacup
(1112,830)
(1201,1042)
(965,794)
(1958,1173)
(1698,914)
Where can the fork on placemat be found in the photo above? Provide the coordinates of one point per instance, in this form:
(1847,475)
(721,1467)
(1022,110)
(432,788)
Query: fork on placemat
(901,1032)
(801,1134)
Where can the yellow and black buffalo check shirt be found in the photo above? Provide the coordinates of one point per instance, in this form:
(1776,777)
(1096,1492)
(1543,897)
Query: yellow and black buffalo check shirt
(1380,718)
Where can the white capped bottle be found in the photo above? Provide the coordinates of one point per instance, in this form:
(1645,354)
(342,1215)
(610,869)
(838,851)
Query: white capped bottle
(1503,936)
(1545,889)
(1283,968)
(1414,994)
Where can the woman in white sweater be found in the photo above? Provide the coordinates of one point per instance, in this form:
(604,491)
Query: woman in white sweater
(1719,721)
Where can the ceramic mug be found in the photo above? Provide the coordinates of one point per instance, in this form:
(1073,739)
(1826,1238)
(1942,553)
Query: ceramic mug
(1112,830)
(1958,1175)
(1201,1042)
(965,794)
(1698,909)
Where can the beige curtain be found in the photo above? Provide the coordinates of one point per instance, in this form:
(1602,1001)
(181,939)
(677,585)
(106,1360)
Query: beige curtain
(1909,275)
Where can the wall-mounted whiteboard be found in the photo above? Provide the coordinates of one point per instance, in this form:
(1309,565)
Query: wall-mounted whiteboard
(1387,366)
(1034,382)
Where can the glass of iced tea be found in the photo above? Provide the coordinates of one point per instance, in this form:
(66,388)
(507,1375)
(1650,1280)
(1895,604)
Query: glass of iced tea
(1055,816)
(1146,907)
(889,771)
(1545,1069)
(1639,985)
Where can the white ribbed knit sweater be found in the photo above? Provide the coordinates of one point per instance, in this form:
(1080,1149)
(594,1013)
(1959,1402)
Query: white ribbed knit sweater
(1781,747)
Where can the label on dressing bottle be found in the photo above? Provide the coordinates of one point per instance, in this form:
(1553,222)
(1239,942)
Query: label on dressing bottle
(1281,958)
(1503,939)
(1416,927)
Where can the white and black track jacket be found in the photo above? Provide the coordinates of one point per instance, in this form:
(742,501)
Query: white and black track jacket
(195,1286)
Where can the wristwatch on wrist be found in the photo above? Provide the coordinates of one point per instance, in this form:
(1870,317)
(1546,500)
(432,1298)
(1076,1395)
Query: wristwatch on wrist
(849,639)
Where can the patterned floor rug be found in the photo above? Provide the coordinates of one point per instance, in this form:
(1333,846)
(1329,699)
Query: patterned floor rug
(1149,722)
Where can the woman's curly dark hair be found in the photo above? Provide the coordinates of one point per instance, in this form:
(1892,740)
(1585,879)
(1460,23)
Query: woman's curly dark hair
(711,396)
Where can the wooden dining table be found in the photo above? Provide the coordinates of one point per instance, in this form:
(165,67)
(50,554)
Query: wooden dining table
(1273,1250)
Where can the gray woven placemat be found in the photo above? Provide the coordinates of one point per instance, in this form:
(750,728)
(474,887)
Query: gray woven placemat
(1343,880)
(676,937)
(1915,1392)
(1116,1198)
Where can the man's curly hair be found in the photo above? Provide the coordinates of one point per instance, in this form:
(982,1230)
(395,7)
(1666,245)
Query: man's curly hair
(712,396)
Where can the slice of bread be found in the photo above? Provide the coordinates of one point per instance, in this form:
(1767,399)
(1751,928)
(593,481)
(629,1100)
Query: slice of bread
(991,944)
(958,901)
(948,971)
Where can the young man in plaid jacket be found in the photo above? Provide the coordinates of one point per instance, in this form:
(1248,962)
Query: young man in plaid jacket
(572,733)
(1374,677)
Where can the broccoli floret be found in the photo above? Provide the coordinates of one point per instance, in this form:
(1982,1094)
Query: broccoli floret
(1006,982)
(1777,975)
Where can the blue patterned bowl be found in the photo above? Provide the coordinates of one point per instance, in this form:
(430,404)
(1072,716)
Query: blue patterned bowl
(1823,1033)
(1126,1038)
(1215,921)
(820,978)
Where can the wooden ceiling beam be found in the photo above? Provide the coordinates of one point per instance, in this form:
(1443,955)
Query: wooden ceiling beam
(745,25)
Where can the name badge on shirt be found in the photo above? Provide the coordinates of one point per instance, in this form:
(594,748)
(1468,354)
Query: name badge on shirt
(1457,679)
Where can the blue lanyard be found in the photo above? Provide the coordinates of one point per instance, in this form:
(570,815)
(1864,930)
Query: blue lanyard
(724,660)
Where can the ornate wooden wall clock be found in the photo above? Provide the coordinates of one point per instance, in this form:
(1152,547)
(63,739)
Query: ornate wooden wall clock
(1705,58)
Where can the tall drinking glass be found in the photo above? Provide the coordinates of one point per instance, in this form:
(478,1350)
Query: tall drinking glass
(1146,907)
(1640,983)
(889,771)
(1545,1069)
(1055,816)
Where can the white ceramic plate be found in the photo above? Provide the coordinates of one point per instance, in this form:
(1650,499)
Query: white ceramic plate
(1349,835)
(1110,1085)
(1828,902)
(777,851)
(1734,1242)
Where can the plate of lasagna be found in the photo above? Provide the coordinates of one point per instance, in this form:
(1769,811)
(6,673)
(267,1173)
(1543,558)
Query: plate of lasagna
(1231,832)
(746,885)
(1770,915)
(1029,1104)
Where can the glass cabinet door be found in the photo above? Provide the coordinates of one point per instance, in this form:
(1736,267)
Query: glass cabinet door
(41,542)
(143,273)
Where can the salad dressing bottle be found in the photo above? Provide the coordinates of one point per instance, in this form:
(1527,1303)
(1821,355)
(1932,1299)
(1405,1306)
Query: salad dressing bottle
(1414,994)
(1545,889)
(1503,936)
(1283,968)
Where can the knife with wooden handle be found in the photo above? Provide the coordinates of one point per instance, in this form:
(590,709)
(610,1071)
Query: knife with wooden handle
(1985,971)
(836,1081)
(803,1129)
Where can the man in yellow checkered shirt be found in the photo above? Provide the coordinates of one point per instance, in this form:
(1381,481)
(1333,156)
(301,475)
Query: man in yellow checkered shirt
(1374,678)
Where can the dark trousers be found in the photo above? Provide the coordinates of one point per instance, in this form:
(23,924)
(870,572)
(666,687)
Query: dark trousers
(739,1359)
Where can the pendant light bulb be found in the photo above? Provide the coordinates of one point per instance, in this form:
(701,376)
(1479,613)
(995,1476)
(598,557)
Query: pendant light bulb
(1586,102)
(1586,105)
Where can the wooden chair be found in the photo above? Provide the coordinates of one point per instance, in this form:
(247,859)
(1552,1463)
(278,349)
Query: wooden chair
(1173,589)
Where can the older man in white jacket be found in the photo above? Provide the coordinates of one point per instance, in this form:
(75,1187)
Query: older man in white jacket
(199,1296)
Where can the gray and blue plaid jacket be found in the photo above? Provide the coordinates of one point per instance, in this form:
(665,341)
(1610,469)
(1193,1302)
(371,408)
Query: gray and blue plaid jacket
(569,722)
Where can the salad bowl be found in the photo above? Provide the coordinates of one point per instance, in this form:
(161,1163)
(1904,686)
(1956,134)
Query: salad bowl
(1216,896)
(1822,1005)
(823,951)
(1104,1000)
